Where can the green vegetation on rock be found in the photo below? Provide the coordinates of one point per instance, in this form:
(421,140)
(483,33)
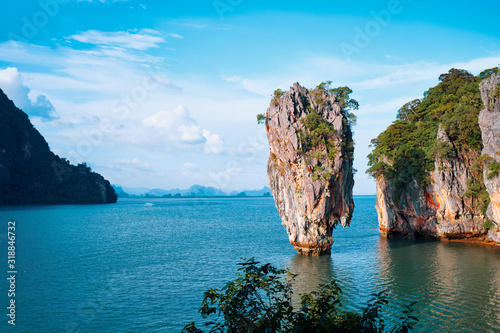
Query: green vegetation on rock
(318,139)
(408,148)
(494,168)
(261,118)
(277,96)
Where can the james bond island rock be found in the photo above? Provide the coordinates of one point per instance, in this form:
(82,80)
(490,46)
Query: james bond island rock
(31,174)
(489,121)
(428,164)
(310,164)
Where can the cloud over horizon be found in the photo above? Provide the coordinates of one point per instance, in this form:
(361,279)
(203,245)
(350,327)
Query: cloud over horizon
(35,105)
(178,125)
(179,85)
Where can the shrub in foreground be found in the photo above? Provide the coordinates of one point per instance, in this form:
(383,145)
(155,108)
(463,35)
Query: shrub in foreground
(260,300)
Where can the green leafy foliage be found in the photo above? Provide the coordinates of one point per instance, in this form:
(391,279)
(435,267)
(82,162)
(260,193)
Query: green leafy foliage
(487,72)
(496,94)
(407,149)
(261,118)
(319,138)
(494,168)
(347,104)
(488,224)
(278,93)
(260,300)
(477,192)
(342,97)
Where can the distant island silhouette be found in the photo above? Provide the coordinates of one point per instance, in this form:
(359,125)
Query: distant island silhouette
(193,191)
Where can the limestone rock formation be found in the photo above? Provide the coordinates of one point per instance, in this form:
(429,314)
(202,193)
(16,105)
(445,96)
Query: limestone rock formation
(489,121)
(428,163)
(310,164)
(438,210)
(31,174)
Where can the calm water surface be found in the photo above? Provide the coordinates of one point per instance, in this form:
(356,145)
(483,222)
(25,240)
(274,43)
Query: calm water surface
(142,265)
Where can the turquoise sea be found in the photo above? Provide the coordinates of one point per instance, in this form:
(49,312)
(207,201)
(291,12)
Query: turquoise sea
(142,265)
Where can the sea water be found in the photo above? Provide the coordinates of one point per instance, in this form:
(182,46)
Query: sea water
(142,265)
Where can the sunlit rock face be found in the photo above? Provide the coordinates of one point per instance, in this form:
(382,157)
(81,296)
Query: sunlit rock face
(489,122)
(440,210)
(311,183)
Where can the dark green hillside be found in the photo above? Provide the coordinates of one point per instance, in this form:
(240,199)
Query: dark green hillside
(30,173)
(408,148)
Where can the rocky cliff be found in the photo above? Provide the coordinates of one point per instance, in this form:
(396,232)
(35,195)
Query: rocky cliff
(438,210)
(30,173)
(489,121)
(428,165)
(310,164)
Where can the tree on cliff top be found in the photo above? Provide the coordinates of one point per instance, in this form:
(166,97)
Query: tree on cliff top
(341,94)
(407,149)
(342,97)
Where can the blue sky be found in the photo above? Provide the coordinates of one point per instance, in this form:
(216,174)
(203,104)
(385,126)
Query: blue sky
(163,94)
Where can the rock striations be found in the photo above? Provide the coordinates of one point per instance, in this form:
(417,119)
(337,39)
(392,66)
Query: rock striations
(31,174)
(438,210)
(489,121)
(310,164)
(429,163)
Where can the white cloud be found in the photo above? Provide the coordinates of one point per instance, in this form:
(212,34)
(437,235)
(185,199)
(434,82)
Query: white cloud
(191,134)
(254,86)
(214,143)
(409,74)
(84,84)
(137,40)
(12,83)
(178,125)
(386,107)
(175,36)
(135,163)
(190,166)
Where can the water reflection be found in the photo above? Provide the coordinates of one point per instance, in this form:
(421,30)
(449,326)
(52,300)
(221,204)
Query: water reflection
(311,272)
(456,284)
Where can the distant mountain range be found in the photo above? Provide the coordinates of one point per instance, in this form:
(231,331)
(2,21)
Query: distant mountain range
(193,191)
